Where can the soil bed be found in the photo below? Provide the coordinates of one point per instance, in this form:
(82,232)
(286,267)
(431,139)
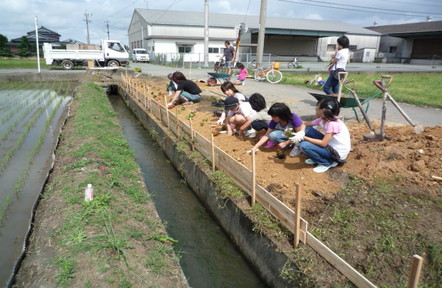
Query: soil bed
(388,185)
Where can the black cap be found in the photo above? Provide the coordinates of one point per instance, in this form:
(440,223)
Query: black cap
(230,103)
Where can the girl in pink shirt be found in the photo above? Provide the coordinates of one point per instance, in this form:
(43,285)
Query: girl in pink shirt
(330,147)
(241,78)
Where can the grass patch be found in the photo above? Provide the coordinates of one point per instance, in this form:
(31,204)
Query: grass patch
(379,228)
(106,236)
(415,88)
(22,63)
(226,186)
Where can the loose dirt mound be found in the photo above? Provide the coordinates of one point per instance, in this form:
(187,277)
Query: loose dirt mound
(409,157)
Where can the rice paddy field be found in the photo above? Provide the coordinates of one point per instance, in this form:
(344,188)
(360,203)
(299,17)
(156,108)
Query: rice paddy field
(30,117)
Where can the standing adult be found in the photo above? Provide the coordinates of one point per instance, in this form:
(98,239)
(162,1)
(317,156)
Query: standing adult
(338,64)
(229,55)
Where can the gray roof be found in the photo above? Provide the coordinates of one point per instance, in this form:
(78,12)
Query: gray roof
(409,28)
(185,18)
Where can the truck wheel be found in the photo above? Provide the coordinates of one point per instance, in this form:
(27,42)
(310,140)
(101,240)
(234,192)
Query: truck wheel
(67,64)
(113,63)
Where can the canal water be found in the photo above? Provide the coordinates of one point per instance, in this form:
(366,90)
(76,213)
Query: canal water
(208,257)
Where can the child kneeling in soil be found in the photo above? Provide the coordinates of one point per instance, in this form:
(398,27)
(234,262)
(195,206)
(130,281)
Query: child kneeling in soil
(282,120)
(187,92)
(261,119)
(238,116)
(328,149)
(230,91)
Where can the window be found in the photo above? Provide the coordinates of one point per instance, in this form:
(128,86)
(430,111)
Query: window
(184,49)
(392,49)
(353,47)
(331,47)
(115,46)
(213,50)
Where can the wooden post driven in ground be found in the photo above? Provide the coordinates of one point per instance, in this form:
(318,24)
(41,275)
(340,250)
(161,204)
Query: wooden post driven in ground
(145,97)
(253,178)
(416,268)
(297,214)
(213,152)
(191,134)
(177,124)
(167,112)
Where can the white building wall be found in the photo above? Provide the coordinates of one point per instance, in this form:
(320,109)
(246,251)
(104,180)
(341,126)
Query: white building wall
(360,41)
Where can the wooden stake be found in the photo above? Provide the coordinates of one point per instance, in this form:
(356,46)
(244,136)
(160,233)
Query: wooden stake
(416,268)
(213,153)
(191,134)
(159,111)
(177,123)
(145,97)
(253,178)
(167,112)
(297,214)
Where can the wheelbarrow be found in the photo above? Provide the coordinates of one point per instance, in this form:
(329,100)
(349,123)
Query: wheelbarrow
(351,100)
(217,78)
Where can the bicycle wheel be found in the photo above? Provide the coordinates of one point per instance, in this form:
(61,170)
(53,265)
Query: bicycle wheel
(259,74)
(274,76)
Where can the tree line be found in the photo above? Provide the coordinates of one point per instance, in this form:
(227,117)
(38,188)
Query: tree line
(24,48)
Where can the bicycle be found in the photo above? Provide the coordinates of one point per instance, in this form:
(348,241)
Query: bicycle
(251,64)
(219,66)
(293,64)
(272,74)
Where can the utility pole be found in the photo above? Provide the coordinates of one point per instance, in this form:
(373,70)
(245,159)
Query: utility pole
(86,15)
(206,33)
(261,34)
(147,4)
(107,26)
(36,42)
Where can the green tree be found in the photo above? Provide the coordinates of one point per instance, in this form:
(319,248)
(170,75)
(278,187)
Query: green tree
(24,47)
(4,51)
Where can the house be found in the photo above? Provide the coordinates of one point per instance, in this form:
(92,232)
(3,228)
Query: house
(171,33)
(44,35)
(415,43)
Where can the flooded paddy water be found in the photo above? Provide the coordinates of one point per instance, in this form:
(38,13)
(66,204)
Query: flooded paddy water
(31,114)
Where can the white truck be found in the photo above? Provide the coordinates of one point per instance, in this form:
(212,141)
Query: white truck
(112,54)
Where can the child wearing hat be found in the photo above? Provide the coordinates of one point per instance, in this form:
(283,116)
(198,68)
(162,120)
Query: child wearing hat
(238,116)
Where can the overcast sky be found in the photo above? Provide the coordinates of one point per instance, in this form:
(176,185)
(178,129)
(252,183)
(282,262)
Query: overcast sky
(66,17)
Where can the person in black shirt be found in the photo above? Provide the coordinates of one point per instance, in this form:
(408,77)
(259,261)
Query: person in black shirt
(187,91)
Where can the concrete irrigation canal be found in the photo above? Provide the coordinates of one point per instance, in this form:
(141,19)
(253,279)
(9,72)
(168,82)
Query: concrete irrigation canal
(208,258)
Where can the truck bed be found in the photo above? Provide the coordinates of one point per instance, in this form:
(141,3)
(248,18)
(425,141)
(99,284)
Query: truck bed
(76,54)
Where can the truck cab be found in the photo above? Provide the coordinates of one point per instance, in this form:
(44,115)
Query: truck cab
(114,53)
(140,55)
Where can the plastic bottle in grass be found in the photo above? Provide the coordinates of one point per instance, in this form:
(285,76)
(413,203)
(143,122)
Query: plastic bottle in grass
(89,193)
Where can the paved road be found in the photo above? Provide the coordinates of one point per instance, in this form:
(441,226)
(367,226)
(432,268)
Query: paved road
(299,99)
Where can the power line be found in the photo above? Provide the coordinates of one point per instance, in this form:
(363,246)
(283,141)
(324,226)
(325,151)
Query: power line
(409,3)
(358,9)
(376,9)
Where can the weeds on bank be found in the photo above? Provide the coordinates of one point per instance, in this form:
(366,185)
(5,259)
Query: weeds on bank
(106,226)
(382,224)
(225,185)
